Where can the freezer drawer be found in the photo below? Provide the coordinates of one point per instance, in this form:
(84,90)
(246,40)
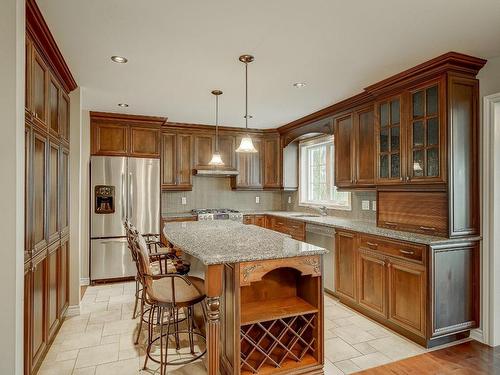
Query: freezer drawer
(110,258)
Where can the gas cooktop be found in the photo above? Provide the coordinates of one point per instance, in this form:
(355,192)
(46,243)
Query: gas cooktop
(218,214)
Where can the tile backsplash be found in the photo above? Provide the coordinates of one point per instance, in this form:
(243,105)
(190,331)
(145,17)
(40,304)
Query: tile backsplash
(356,203)
(216,192)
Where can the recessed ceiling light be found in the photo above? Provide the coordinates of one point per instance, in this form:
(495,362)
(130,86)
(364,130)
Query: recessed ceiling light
(119,59)
(299,85)
(122,105)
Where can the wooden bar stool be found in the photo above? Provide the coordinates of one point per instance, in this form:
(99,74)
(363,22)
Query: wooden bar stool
(167,294)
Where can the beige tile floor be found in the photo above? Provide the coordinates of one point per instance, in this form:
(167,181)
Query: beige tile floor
(101,339)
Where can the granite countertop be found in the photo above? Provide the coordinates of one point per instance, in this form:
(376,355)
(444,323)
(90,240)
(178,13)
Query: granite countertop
(226,241)
(177,215)
(361,226)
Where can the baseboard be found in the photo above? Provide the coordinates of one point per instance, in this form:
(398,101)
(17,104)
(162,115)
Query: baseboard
(73,310)
(84,281)
(477,334)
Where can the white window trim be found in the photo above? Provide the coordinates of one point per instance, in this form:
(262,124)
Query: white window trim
(302,177)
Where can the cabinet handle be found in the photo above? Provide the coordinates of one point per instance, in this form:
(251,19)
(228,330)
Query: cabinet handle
(390,224)
(401,178)
(428,228)
(407,178)
(372,244)
(407,252)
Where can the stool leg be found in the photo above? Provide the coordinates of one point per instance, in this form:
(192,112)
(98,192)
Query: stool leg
(136,296)
(177,341)
(141,317)
(190,328)
(162,368)
(150,338)
(168,336)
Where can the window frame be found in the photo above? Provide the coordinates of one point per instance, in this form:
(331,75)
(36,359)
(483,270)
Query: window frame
(303,190)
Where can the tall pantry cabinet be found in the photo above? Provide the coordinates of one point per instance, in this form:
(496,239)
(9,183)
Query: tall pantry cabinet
(46,244)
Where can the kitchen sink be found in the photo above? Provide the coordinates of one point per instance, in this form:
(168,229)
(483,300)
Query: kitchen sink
(306,215)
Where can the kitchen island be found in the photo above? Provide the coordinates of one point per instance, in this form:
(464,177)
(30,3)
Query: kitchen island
(264,305)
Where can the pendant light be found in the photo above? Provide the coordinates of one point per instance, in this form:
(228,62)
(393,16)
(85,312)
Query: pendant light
(216,158)
(246,144)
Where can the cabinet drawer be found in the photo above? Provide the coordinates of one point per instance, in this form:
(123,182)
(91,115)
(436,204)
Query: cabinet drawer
(394,248)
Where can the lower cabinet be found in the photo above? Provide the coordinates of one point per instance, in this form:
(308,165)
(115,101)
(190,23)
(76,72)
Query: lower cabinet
(345,262)
(407,291)
(371,281)
(387,280)
(46,300)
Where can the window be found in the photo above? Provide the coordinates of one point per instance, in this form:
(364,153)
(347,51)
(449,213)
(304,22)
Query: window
(317,175)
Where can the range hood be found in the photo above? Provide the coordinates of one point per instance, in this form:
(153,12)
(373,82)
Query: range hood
(209,172)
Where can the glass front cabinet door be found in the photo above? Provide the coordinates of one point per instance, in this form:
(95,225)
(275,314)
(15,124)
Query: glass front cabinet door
(389,144)
(426,134)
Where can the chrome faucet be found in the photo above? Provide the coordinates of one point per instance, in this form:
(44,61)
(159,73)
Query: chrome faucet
(322,211)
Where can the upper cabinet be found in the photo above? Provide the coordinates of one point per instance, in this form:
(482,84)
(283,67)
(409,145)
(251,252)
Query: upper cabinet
(354,149)
(389,141)
(272,156)
(125,135)
(411,136)
(64,116)
(249,166)
(39,89)
(53,96)
(204,147)
(176,161)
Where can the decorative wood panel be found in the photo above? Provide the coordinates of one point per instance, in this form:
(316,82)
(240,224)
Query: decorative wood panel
(144,142)
(39,85)
(227,147)
(39,313)
(53,97)
(52,305)
(28,311)
(254,271)
(64,107)
(184,154)
(168,160)
(63,280)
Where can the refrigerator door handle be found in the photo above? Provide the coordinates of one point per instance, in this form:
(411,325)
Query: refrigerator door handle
(122,199)
(130,196)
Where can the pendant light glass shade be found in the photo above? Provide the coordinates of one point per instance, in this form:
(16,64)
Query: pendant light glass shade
(246,144)
(216,160)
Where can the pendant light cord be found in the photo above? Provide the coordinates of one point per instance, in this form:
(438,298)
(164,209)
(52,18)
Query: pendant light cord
(216,123)
(246,95)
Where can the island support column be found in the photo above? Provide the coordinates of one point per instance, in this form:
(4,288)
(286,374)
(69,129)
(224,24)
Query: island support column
(213,290)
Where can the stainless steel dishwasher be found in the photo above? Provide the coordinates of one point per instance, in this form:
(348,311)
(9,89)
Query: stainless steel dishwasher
(324,237)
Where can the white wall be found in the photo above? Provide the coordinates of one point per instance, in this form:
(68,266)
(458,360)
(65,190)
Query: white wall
(489,81)
(12,30)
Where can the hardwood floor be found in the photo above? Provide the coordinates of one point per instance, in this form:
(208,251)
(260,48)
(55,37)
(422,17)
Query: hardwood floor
(470,357)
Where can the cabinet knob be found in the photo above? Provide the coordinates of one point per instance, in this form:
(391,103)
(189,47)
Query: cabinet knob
(407,178)
(401,178)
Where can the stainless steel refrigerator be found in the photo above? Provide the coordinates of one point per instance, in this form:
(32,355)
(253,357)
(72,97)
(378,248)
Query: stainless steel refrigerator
(121,188)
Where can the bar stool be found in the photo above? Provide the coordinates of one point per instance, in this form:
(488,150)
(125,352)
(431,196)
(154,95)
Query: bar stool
(159,262)
(167,294)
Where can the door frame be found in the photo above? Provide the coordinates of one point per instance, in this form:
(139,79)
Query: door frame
(489,333)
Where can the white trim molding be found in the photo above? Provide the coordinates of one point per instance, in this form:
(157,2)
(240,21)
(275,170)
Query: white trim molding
(84,281)
(490,296)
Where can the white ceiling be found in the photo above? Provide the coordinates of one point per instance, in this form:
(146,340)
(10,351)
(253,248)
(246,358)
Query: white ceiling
(179,50)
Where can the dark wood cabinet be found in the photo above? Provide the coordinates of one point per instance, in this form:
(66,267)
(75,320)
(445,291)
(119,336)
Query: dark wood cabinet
(144,142)
(109,139)
(53,193)
(52,290)
(249,166)
(364,147)
(39,309)
(407,295)
(272,162)
(28,214)
(371,280)
(176,161)
(63,280)
(39,89)
(38,198)
(390,126)
(344,151)
(64,114)
(258,220)
(204,147)
(53,97)
(227,147)
(345,264)
(63,191)
(27,76)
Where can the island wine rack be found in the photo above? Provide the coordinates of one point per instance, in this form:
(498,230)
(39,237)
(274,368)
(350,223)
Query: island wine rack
(278,343)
